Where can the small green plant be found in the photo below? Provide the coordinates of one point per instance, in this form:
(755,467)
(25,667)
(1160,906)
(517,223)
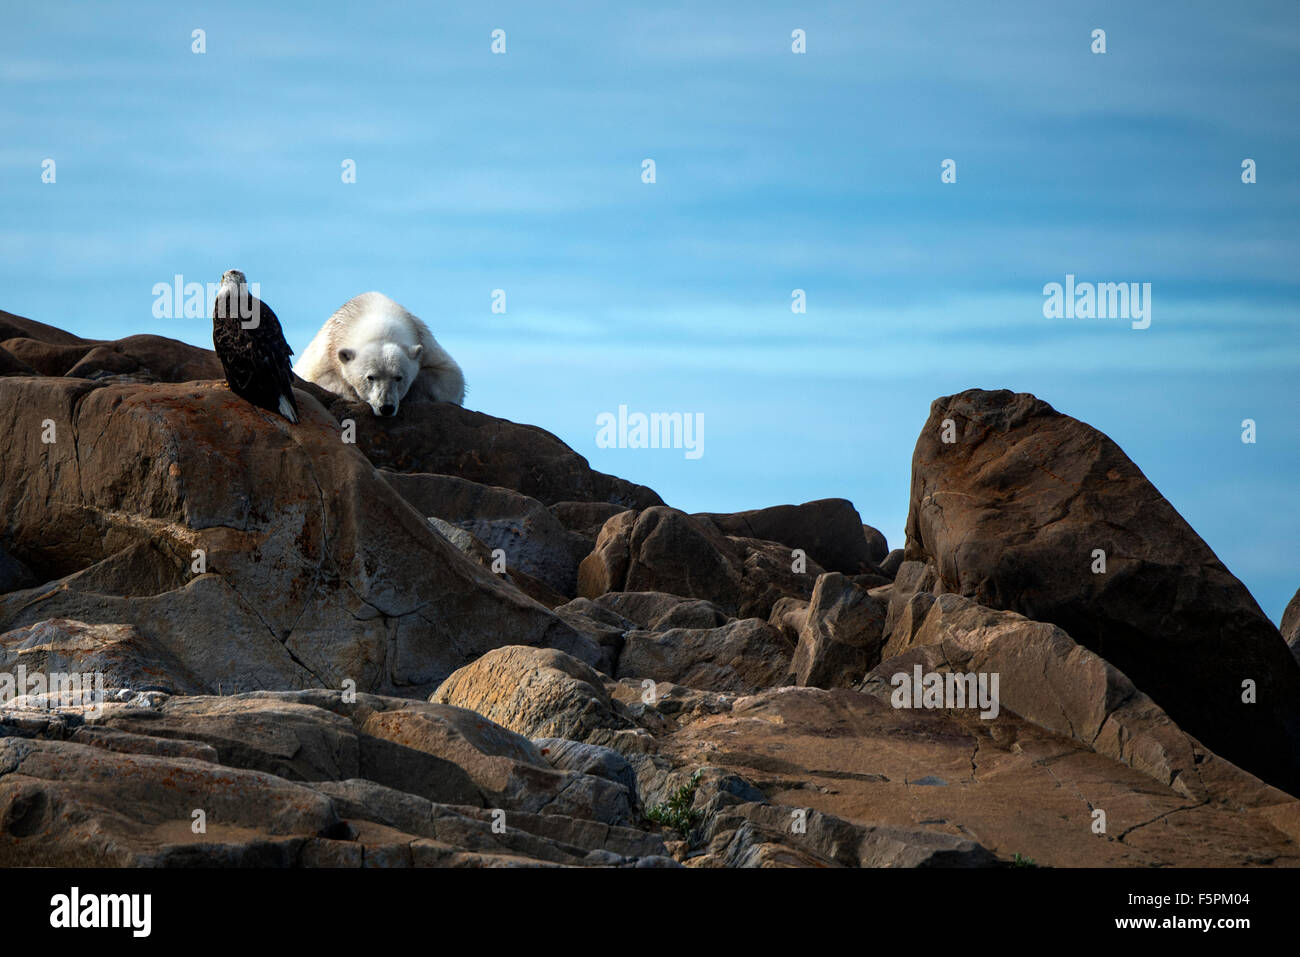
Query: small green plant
(677,812)
(1019,861)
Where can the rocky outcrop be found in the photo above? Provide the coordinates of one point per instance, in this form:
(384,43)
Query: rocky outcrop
(10,364)
(665,550)
(829,530)
(144,358)
(306,779)
(20,327)
(506,769)
(1007,784)
(180,545)
(318,571)
(841,634)
(1016,513)
(540,693)
(1047,678)
(66,804)
(445,439)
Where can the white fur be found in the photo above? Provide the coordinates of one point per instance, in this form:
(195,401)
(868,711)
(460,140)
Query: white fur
(374,351)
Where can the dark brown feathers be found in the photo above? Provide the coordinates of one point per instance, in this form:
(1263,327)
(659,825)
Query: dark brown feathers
(250,344)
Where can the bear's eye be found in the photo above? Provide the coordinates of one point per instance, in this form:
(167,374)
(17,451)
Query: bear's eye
(397,378)
(370,378)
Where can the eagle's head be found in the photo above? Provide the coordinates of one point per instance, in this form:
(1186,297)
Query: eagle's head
(233,277)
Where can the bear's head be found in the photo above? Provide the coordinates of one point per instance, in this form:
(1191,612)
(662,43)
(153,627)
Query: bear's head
(380,373)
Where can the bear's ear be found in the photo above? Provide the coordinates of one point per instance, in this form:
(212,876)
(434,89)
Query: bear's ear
(415,351)
(346,356)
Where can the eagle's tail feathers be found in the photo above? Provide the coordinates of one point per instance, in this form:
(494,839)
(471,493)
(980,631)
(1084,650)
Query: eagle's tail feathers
(287,410)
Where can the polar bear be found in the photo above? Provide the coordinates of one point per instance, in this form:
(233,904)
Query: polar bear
(374,351)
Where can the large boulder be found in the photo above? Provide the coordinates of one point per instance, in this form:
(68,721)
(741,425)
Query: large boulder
(1015,513)
(540,693)
(841,634)
(653,551)
(665,550)
(257,554)
(829,530)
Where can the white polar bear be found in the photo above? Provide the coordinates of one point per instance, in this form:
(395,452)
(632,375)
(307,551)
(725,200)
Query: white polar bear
(374,351)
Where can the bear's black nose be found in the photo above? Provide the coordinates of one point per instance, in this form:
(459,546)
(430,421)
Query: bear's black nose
(386,410)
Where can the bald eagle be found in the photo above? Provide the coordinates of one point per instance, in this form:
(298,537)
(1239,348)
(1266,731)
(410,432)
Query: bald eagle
(251,347)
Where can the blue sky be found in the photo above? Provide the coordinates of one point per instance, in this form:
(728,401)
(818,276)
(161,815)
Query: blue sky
(775,171)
